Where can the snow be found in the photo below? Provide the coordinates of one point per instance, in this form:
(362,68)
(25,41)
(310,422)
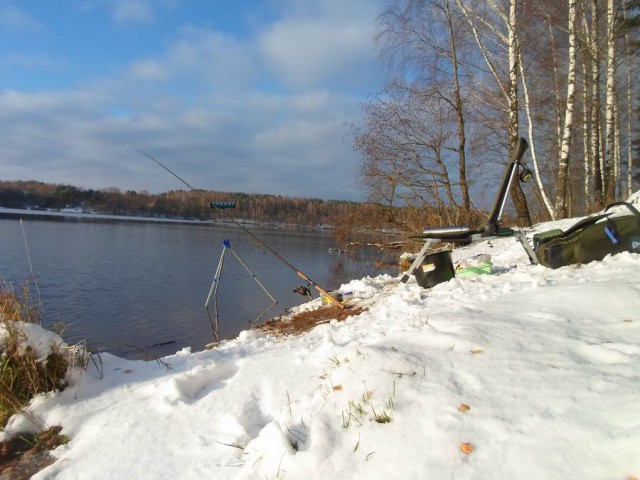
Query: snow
(535,370)
(42,342)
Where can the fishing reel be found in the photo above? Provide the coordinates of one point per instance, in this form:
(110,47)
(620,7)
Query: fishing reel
(304,291)
(525,173)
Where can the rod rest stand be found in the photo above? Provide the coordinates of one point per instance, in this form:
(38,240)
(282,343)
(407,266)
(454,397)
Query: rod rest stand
(462,234)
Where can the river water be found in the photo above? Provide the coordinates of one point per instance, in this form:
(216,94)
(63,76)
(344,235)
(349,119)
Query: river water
(138,289)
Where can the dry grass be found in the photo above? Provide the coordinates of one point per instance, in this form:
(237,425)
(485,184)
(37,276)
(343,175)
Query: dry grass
(305,321)
(22,373)
(22,376)
(17,307)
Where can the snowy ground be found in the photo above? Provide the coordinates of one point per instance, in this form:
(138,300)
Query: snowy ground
(529,373)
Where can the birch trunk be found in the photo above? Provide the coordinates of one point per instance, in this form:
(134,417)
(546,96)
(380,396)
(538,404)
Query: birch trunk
(586,138)
(597,166)
(517,194)
(610,107)
(532,144)
(617,150)
(565,150)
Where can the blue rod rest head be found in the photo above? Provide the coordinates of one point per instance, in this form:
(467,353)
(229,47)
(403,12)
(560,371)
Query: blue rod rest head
(226,243)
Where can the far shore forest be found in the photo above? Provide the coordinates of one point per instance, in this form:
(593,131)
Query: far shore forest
(181,204)
(185,204)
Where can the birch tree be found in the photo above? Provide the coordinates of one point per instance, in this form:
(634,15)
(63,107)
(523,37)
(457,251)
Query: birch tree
(485,32)
(532,142)
(565,149)
(597,165)
(522,208)
(610,184)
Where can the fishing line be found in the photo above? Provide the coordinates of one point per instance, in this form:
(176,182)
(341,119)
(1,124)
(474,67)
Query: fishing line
(244,229)
(33,275)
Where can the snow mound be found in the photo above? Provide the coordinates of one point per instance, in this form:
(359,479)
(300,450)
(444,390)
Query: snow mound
(536,368)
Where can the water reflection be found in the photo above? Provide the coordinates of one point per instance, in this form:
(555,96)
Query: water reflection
(125,286)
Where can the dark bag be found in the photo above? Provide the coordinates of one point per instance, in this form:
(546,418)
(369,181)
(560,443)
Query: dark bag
(590,239)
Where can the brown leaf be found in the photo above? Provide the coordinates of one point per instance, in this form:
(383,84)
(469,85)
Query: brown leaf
(463,407)
(477,350)
(337,387)
(466,448)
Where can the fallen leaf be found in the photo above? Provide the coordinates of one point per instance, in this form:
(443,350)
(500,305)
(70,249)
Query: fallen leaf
(463,407)
(466,448)
(337,387)
(477,350)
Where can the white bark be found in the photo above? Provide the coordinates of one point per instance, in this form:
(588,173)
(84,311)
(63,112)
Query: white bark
(481,47)
(563,165)
(586,139)
(610,102)
(617,149)
(513,74)
(532,144)
(597,158)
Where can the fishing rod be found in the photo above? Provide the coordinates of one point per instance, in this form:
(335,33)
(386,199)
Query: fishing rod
(298,272)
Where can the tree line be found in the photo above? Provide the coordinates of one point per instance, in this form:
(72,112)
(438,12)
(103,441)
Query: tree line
(175,204)
(468,78)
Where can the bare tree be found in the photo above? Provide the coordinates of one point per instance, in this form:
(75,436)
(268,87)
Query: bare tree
(406,159)
(421,37)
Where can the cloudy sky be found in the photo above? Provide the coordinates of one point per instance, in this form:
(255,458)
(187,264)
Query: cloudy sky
(233,95)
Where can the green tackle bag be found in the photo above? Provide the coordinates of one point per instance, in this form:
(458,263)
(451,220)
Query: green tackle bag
(592,238)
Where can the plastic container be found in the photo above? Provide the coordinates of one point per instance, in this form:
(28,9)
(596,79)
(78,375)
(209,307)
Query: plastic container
(435,268)
(335,294)
(474,270)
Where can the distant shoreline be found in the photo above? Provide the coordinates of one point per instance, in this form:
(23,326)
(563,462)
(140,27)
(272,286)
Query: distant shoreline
(62,216)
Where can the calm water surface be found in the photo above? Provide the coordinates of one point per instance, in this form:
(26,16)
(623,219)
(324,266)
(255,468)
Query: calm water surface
(127,287)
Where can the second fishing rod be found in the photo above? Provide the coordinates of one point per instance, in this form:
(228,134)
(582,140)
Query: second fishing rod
(244,229)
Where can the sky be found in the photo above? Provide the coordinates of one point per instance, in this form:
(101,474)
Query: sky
(232,95)
(527,373)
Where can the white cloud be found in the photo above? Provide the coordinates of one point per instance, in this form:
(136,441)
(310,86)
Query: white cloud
(133,11)
(316,42)
(17,18)
(32,61)
(208,59)
(206,106)
(151,70)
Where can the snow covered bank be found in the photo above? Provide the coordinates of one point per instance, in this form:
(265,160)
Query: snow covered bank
(533,372)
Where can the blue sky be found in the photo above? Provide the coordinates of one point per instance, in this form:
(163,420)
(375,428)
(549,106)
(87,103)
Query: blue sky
(233,95)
